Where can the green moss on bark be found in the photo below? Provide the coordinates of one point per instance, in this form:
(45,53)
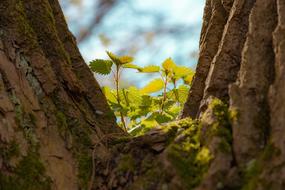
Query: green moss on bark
(126,163)
(28,174)
(253,170)
(81,144)
(189,158)
(221,127)
(24,29)
(10,150)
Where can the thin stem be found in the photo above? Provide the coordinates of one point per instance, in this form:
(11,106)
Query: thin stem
(117,81)
(176,92)
(164,93)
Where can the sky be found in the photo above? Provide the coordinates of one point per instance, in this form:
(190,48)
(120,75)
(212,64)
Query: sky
(129,26)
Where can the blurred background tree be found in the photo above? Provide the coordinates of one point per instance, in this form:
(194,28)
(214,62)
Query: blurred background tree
(149,30)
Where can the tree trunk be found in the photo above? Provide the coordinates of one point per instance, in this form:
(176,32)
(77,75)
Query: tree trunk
(57,132)
(246,71)
(52,110)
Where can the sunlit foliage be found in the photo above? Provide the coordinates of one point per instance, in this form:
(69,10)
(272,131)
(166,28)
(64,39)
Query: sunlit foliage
(160,101)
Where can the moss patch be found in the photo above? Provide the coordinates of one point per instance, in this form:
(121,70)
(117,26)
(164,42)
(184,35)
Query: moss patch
(126,163)
(81,144)
(24,28)
(9,151)
(28,174)
(221,127)
(251,174)
(189,158)
(84,169)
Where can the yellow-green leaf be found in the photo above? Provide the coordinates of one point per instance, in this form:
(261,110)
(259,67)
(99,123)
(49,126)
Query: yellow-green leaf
(119,60)
(154,86)
(131,66)
(111,97)
(134,95)
(150,69)
(126,59)
(168,65)
(183,92)
(182,71)
(188,79)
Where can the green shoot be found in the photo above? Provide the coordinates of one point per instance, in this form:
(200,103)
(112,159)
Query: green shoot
(159,101)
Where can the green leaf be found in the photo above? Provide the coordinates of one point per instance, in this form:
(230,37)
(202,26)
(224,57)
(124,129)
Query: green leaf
(146,105)
(150,69)
(131,66)
(182,71)
(154,86)
(126,59)
(134,95)
(147,100)
(101,66)
(120,60)
(169,103)
(149,123)
(188,79)
(111,97)
(183,92)
(160,117)
(113,57)
(174,111)
(168,65)
(123,94)
(163,118)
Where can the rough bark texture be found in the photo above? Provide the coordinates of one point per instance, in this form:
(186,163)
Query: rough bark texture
(247,73)
(52,110)
(57,132)
(215,18)
(249,94)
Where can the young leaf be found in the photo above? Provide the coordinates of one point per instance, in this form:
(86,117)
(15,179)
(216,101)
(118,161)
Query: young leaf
(124,99)
(180,94)
(113,57)
(101,66)
(150,69)
(168,65)
(163,118)
(134,95)
(111,97)
(188,79)
(168,104)
(154,86)
(181,71)
(126,59)
(183,91)
(131,66)
(160,117)
(174,111)
(119,60)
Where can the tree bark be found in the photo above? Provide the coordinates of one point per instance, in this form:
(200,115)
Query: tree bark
(247,73)
(52,110)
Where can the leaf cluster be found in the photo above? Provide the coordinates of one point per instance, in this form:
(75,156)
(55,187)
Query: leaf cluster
(158,102)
